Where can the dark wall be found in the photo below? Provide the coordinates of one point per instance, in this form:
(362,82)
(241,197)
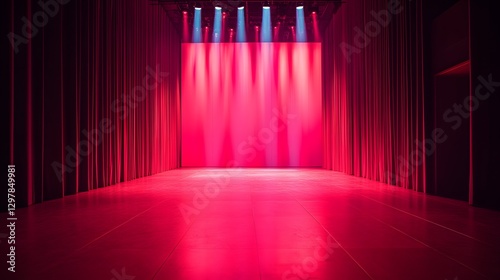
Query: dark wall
(450,37)
(447,36)
(485,66)
(455,32)
(451,158)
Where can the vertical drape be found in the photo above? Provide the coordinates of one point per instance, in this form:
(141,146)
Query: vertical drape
(94,95)
(373,95)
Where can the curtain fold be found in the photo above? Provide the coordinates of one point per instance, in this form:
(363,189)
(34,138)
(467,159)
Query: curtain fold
(373,92)
(94,95)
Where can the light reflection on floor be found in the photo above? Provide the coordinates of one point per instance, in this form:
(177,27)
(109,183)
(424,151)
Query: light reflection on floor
(256,224)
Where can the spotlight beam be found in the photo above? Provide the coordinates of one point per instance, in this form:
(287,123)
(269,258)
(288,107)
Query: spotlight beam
(301,24)
(266,32)
(240,28)
(216,37)
(197,25)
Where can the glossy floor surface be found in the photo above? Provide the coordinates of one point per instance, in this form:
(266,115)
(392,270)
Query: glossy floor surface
(255,224)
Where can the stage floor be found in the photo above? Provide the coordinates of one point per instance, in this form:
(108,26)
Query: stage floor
(255,224)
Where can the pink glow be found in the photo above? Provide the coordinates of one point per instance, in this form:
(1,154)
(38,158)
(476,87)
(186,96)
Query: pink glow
(257,104)
(185,27)
(223,29)
(317,36)
(206,35)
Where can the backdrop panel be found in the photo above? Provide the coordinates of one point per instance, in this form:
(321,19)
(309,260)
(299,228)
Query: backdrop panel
(251,104)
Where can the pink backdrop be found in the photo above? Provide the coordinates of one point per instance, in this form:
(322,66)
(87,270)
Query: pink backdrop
(251,104)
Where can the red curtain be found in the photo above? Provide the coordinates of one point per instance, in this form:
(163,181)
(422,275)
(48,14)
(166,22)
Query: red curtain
(94,95)
(373,92)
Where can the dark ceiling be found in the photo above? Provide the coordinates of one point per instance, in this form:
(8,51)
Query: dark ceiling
(282,12)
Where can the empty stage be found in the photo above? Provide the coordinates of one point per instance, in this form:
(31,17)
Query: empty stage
(256,224)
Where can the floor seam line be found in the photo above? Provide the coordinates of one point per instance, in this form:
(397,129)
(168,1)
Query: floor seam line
(172,252)
(426,220)
(327,231)
(425,244)
(256,241)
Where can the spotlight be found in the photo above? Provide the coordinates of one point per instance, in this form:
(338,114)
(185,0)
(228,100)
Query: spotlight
(197,25)
(301,24)
(266,5)
(267,28)
(217,28)
(300,6)
(314,10)
(184,9)
(197,6)
(241,35)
